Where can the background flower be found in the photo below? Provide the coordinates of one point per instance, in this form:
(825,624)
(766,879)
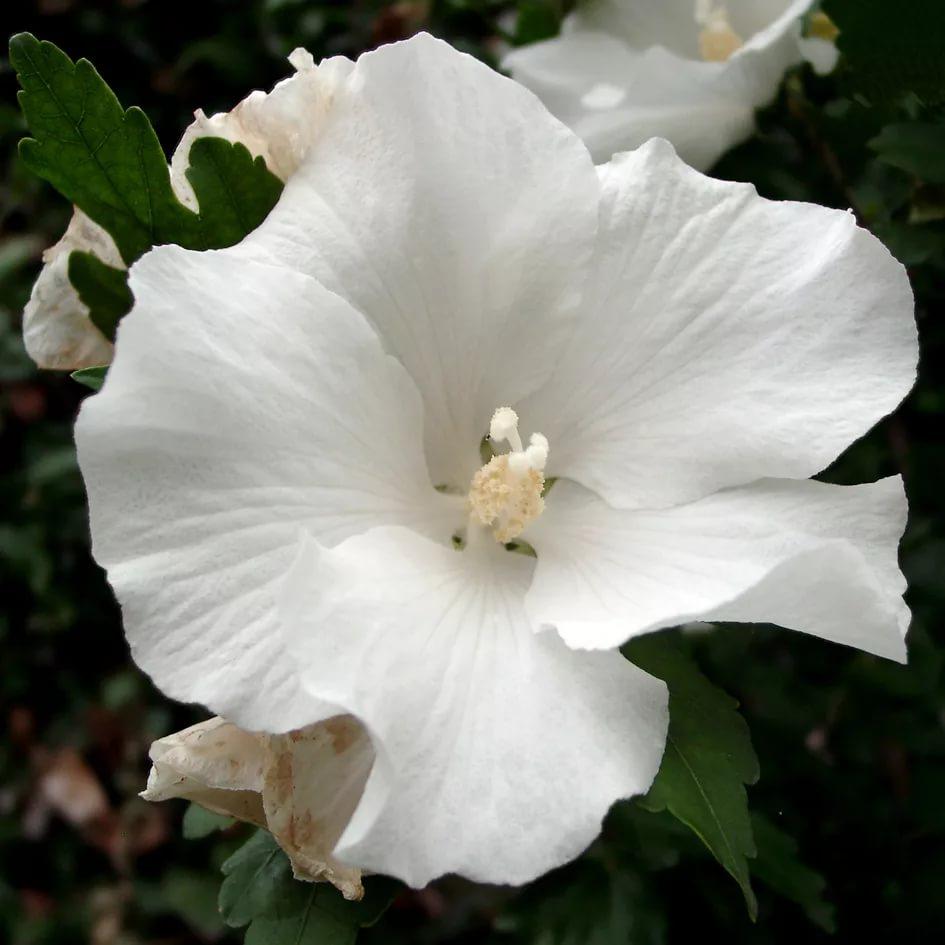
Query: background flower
(624,71)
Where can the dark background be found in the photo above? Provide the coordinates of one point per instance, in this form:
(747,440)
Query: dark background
(852,749)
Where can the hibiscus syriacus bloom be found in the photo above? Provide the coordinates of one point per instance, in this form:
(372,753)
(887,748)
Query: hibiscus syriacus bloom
(691,71)
(288,489)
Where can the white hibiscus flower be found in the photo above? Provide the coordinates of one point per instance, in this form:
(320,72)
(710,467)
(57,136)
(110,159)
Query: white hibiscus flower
(286,486)
(278,126)
(691,71)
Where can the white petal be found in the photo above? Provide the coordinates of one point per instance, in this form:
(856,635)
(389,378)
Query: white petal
(822,54)
(764,23)
(279,126)
(57,331)
(696,105)
(641,23)
(302,787)
(805,555)
(445,203)
(726,338)
(244,403)
(673,24)
(499,750)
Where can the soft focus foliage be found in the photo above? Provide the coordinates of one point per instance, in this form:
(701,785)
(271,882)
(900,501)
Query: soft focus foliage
(850,748)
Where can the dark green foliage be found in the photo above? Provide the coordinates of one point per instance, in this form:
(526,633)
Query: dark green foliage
(708,760)
(199,822)
(851,747)
(777,865)
(253,875)
(103,158)
(234,191)
(916,147)
(92,377)
(893,48)
(537,20)
(259,890)
(591,905)
(107,160)
(102,288)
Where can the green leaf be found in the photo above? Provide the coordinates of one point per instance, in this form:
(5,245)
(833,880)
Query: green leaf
(200,822)
(253,876)
(92,377)
(259,890)
(235,191)
(537,20)
(102,288)
(107,161)
(915,147)
(191,894)
(892,48)
(708,760)
(778,866)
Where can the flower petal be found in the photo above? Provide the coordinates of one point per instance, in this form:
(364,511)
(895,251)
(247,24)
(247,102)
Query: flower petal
(57,331)
(668,23)
(244,403)
(302,787)
(822,54)
(616,98)
(278,126)
(499,750)
(445,204)
(806,555)
(674,25)
(726,338)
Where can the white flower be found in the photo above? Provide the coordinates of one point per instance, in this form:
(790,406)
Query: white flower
(691,71)
(286,453)
(279,126)
(303,786)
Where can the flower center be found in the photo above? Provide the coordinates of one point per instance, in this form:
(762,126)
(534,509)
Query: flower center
(505,494)
(820,26)
(717,40)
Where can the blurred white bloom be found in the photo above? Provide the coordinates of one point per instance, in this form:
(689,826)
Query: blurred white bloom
(818,44)
(284,467)
(303,786)
(691,71)
(279,126)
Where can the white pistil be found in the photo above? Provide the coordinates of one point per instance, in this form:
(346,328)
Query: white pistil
(717,40)
(505,494)
(504,428)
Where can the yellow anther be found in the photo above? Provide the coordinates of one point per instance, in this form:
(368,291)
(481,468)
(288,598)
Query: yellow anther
(820,26)
(718,42)
(505,500)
